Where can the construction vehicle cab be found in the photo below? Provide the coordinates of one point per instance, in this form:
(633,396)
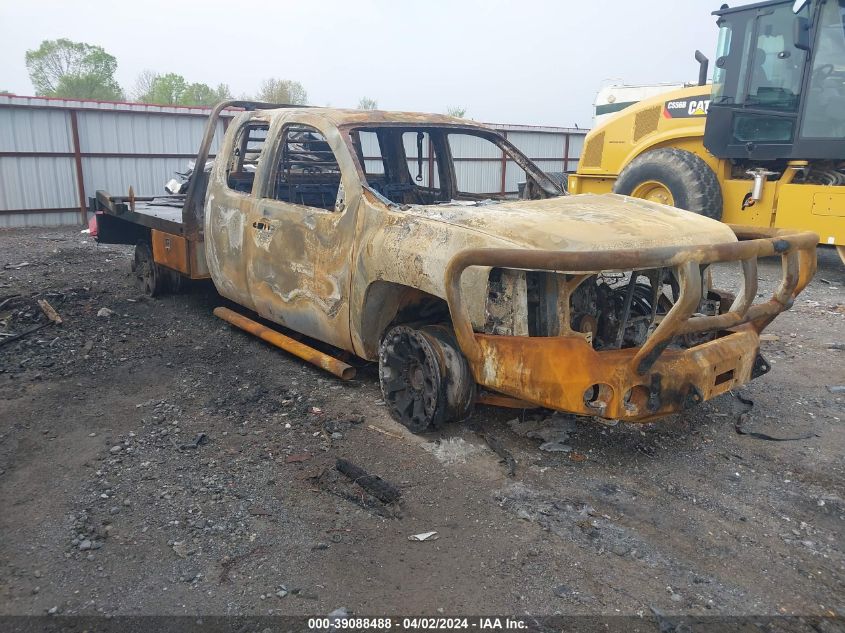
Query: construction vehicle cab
(763,146)
(768,102)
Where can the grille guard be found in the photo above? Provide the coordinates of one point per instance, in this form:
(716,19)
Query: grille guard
(796,250)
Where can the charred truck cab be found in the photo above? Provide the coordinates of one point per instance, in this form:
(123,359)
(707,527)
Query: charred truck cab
(362,230)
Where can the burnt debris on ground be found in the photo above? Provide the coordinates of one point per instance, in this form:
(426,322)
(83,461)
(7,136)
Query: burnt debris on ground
(157,461)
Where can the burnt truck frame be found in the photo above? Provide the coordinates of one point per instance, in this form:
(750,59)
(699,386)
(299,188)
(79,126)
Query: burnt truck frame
(597,305)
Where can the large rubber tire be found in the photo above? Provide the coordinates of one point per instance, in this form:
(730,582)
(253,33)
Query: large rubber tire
(693,185)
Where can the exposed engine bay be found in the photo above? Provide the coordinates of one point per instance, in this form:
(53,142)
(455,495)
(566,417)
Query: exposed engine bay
(611,310)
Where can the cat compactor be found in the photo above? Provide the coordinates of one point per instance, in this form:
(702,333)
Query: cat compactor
(764,145)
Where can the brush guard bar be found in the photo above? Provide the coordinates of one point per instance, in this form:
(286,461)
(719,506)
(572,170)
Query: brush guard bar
(796,250)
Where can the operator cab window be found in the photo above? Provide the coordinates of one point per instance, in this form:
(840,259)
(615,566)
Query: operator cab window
(243,163)
(824,114)
(307,172)
(776,65)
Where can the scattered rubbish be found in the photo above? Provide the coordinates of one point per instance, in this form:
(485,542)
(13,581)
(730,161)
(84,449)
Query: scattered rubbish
(424,536)
(579,522)
(836,388)
(343,424)
(840,347)
(375,485)
(8,299)
(743,417)
(296,459)
(104,312)
(453,450)
(383,432)
(556,446)
(329,481)
(20,335)
(769,337)
(49,312)
(200,440)
(180,549)
(498,447)
(315,410)
(16,266)
(577,457)
(85,232)
(554,431)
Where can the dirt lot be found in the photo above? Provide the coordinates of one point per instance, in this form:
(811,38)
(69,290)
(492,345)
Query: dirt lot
(153,460)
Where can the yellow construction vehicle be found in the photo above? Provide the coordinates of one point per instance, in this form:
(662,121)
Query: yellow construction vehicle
(764,145)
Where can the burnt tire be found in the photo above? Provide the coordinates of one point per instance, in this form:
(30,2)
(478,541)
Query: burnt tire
(693,185)
(424,377)
(152,280)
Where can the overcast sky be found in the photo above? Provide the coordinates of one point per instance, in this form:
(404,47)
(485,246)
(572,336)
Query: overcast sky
(514,61)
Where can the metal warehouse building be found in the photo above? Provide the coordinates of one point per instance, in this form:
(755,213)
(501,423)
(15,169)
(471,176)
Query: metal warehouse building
(55,153)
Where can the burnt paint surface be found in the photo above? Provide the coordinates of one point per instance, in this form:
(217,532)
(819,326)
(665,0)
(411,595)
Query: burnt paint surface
(341,275)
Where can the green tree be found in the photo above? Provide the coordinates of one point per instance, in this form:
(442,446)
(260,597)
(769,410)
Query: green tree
(63,68)
(173,89)
(367,104)
(164,89)
(202,94)
(456,111)
(282,91)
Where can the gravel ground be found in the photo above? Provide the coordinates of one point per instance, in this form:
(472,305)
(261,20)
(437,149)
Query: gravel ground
(153,460)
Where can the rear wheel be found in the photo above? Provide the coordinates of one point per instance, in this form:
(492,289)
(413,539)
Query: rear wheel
(424,377)
(673,177)
(151,278)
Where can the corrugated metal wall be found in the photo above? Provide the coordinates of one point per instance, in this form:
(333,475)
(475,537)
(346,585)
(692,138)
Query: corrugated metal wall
(45,144)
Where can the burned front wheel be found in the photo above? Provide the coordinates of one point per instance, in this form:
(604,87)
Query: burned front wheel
(424,377)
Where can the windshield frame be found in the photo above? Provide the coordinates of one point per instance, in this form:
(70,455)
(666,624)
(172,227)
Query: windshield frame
(511,152)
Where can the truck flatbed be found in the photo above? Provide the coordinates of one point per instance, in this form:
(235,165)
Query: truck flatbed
(163,213)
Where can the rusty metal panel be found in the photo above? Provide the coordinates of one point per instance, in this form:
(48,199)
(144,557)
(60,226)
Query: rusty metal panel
(171,251)
(178,253)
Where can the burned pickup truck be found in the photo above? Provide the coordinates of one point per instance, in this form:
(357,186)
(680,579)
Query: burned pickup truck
(369,232)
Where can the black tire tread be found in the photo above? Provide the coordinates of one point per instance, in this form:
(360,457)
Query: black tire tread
(693,184)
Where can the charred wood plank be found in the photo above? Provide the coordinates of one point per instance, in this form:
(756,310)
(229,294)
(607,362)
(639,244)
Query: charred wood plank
(382,490)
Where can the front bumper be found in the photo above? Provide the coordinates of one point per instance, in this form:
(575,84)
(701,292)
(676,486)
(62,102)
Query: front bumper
(636,384)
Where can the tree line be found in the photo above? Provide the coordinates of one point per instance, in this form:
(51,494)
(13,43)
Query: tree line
(76,70)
